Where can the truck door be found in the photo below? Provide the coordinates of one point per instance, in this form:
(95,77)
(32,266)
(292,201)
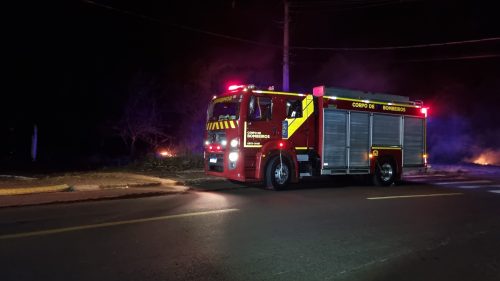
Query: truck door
(261,127)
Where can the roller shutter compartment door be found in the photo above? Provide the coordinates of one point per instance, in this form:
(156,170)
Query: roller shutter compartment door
(335,139)
(359,139)
(413,142)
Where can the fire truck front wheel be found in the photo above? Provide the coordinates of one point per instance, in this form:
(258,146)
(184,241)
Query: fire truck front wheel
(278,173)
(385,172)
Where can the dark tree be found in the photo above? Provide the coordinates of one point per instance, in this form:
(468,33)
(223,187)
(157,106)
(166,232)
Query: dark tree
(142,120)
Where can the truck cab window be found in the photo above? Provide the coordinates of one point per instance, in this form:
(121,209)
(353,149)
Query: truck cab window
(260,108)
(294,108)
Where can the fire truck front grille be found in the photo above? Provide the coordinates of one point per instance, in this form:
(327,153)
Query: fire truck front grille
(215,162)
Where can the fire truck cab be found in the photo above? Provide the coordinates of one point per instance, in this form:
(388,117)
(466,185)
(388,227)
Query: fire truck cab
(277,138)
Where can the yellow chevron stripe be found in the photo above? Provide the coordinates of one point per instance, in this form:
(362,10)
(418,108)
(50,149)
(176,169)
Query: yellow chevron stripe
(307,110)
(231,124)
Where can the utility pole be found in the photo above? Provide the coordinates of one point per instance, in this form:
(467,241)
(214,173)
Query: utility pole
(34,143)
(286,51)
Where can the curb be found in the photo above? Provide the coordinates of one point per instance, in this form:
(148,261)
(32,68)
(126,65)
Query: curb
(199,180)
(128,185)
(84,187)
(90,199)
(38,189)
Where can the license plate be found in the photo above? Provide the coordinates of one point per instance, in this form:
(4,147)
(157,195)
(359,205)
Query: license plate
(213,160)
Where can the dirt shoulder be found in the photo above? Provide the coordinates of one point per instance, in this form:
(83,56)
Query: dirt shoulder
(36,189)
(82,186)
(98,179)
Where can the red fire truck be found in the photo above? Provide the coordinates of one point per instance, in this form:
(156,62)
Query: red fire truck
(273,137)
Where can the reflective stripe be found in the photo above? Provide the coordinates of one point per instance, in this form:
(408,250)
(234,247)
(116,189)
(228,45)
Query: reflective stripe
(386,147)
(278,93)
(374,102)
(307,110)
(231,124)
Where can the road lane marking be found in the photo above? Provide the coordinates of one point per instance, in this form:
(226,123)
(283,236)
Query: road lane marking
(108,224)
(494,191)
(462,182)
(415,196)
(436,179)
(470,186)
(424,176)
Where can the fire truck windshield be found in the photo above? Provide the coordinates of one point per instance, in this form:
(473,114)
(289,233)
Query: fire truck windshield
(223,111)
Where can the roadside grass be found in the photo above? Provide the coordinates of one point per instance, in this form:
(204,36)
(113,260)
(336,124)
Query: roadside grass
(168,164)
(149,170)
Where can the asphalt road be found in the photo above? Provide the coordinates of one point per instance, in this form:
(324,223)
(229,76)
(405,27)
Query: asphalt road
(432,228)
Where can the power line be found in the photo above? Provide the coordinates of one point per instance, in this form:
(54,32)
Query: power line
(455,58)
(340,3)
(387,48)
(343,6)
(276,46)
(334,7)
(215,34)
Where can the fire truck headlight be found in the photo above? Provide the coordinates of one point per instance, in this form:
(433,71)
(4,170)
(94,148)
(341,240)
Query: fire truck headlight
(207,142)
(234,143)
(233,156)
(223,143)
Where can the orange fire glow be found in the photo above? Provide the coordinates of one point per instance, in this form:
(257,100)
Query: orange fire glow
(487,157)
(167,153)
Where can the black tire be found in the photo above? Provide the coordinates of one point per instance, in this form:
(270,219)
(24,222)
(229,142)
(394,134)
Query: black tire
(278,173)
(385,172)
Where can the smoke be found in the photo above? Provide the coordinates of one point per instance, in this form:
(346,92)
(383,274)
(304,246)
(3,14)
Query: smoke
(462,137)
(366,73)
(449,139)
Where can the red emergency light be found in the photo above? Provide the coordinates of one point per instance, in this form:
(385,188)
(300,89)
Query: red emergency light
(214,148)
(424,111)
(281,144)
(235,87)
(319,91)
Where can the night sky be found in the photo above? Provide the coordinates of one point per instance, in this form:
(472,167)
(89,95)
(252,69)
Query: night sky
(73,67)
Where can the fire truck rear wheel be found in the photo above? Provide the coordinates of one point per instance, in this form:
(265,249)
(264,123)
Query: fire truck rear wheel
(278,173)
(385,172)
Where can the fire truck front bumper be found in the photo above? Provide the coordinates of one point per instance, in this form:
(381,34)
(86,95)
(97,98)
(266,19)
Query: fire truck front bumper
(226,166)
